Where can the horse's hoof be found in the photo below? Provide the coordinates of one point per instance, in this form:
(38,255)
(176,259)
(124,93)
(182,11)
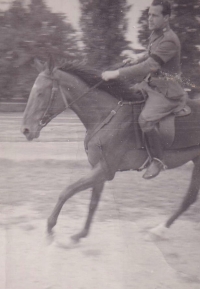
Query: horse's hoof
(159,232)
(76,238)
(49,230)
(50,226)
(50,238)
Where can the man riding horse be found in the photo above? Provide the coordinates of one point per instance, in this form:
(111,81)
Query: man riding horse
(159,74)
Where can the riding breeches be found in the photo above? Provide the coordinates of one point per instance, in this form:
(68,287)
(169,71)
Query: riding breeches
(156,107)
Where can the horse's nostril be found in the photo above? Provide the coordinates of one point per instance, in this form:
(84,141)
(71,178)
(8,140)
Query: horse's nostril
(26,131)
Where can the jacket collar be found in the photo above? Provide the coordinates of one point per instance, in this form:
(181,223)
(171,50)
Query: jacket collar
(157,33)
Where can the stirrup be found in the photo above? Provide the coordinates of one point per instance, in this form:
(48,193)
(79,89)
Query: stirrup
(161,162)
(145,164)
(155,167)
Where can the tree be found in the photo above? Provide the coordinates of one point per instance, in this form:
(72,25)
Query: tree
(26,33)
(185,21)
(104,25)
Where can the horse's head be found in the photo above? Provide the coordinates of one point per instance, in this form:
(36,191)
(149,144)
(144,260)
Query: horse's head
(41,106)
(74,86)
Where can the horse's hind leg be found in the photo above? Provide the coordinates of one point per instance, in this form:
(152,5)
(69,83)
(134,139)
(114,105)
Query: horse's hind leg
(191,195)
(95,177)
(96,194)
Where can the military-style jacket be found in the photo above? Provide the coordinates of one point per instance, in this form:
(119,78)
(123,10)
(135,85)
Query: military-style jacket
(162,62)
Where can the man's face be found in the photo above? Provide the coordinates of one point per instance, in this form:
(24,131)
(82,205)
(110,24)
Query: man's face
(156,19)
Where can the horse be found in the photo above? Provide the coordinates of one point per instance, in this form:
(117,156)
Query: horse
(111,141)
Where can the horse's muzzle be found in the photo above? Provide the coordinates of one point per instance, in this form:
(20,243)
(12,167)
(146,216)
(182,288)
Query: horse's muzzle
(26,131)
(29,136)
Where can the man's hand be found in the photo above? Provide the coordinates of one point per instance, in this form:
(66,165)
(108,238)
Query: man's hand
(107,75)
(130,61)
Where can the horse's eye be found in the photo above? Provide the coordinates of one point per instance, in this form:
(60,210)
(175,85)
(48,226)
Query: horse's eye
(39,95)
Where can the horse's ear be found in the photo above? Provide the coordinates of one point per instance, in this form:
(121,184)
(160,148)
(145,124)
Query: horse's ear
(38,65)
(50,64)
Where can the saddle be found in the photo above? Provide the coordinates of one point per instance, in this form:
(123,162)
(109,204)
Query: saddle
(178,130)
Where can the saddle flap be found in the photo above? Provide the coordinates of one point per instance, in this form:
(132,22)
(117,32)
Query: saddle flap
(167,130)
(167,126)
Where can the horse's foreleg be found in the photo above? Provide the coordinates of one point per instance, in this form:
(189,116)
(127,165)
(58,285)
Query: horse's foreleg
(94,177)
(191,195)
(96,194)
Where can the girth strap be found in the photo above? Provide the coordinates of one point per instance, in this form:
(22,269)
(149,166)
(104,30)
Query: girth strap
(89,135)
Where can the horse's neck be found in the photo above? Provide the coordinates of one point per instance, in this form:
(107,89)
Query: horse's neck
(93,107)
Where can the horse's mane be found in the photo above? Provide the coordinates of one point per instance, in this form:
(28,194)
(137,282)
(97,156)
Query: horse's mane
(92,76)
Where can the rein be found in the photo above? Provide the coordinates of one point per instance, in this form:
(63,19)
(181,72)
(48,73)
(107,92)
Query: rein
(48,115)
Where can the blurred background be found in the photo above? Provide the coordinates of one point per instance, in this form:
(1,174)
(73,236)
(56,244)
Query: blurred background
(102,32)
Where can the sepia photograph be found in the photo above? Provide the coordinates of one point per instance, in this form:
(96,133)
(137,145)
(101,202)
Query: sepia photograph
(99,144)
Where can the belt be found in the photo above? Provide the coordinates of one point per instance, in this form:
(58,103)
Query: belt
(169,76)
(164,76)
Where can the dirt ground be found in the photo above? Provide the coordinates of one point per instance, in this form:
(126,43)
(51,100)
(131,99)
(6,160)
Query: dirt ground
(119,253)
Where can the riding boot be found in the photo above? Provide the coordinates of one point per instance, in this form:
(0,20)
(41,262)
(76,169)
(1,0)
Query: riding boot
(156,151)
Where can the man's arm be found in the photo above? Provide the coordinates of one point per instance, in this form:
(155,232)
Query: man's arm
(163,53)
(136,59)
(138,71)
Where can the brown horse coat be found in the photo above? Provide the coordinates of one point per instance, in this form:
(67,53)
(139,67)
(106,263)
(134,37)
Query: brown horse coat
(123,130)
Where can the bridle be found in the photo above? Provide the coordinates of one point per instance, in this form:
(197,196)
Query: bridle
(48,114)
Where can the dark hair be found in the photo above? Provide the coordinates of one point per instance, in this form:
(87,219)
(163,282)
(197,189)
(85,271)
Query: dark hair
(165,5)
